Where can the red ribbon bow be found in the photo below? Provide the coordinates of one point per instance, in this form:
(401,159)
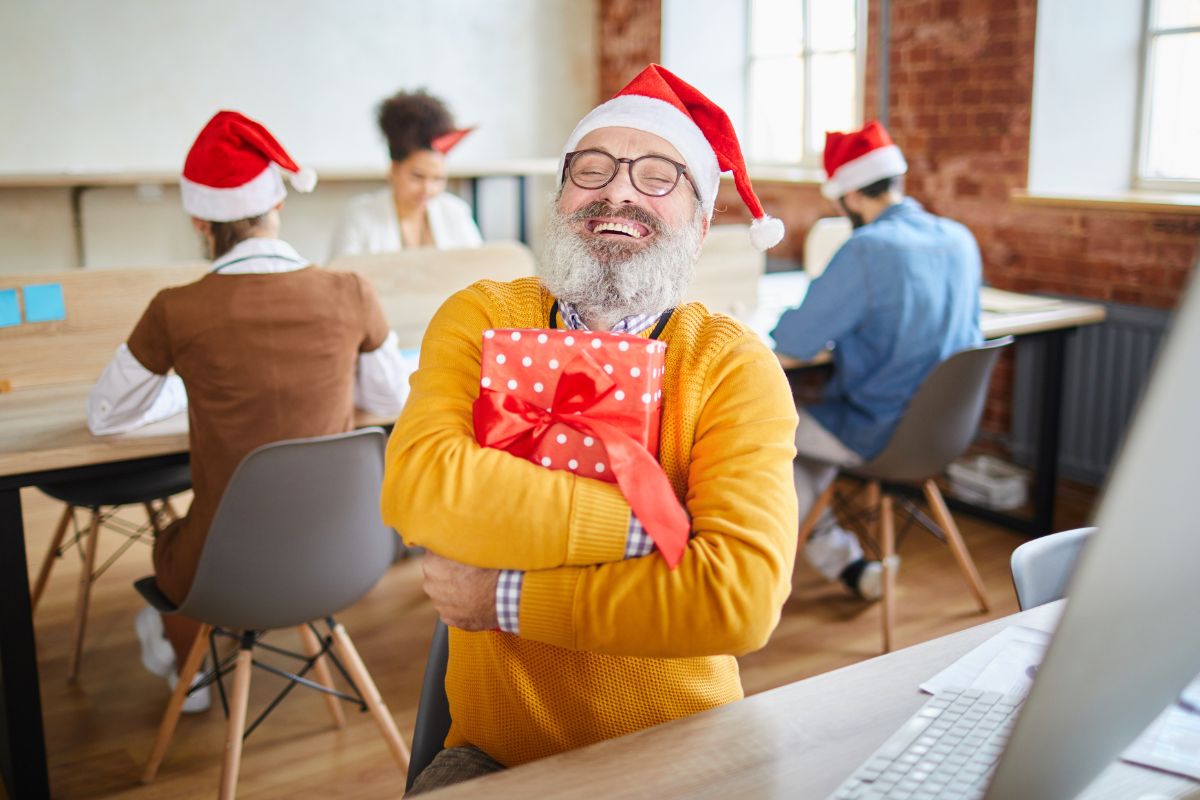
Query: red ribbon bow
(510,423)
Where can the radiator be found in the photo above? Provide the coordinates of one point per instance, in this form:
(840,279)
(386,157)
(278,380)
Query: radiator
(1106,369)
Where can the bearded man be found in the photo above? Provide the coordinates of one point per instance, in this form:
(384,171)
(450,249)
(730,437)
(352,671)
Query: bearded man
(566,627)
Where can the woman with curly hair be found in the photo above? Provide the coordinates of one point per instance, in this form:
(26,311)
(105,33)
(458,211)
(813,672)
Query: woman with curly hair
(415,210)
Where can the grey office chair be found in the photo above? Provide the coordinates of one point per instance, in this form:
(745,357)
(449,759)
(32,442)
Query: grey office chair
(936,428)
(104,497)
(433,713)
(1041,567)
(297,536)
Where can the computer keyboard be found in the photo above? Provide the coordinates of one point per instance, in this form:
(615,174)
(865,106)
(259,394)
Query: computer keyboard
(948,749)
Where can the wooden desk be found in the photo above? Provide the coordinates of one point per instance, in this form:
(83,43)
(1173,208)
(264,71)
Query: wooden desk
(1052,324)
(797,741)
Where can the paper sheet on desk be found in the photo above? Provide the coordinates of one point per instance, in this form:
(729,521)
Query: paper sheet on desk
(1008,662)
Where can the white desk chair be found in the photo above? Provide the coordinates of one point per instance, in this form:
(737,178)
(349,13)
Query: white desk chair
(728,271)
(1041,567)
(824,238)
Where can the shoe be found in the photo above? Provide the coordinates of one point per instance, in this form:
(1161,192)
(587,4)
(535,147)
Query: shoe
(199,699)
(157,654)
(865,578)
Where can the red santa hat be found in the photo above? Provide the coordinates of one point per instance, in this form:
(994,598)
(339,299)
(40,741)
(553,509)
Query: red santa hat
(232,170)
(658,102)
(859,158)
(446,141)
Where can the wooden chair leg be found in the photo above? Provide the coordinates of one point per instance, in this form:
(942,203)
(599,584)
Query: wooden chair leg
(362,679)
(312,647)
(818,508)
(959,548)
(39,585)
(170,509)
(84,596)
(236,724)
(887,553)
(171,718)
(153,516)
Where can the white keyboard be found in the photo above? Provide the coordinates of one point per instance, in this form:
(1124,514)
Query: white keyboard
(948,749)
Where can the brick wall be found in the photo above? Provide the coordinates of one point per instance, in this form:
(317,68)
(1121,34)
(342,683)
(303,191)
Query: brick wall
(630,38)
(961,83)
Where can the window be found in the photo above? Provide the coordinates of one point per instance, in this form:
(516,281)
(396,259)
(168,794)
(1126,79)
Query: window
(1169,157)
(803,77)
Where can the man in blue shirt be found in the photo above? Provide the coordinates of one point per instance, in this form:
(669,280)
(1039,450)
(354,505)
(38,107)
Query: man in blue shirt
(900,296)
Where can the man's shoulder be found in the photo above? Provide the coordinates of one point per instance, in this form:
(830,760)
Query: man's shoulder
(697,328)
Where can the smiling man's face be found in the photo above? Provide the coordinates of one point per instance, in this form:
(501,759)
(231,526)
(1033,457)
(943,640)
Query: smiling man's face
(614,252)
(618,212)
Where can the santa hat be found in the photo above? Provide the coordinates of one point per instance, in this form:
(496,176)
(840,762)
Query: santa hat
(658,102)
(859,158)
(232,170)
(445,142)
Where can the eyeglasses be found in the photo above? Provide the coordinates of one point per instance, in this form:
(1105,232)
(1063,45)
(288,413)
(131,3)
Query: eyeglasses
(655,176)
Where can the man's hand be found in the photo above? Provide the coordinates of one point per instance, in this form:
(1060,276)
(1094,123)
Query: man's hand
(464,596)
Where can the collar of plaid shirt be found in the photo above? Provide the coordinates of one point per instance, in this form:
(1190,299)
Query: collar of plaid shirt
(631,325)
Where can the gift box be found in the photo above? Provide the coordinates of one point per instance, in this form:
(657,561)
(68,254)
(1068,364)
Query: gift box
(587,402)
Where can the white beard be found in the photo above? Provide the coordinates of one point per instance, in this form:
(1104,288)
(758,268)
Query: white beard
(604,280)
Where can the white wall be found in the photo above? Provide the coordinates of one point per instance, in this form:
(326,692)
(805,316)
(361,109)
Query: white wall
(125,85)
(1085,93)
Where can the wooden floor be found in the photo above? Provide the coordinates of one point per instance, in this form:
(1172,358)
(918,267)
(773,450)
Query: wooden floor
(100,728)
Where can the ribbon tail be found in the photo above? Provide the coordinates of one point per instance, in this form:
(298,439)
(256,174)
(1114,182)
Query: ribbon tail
(646,488)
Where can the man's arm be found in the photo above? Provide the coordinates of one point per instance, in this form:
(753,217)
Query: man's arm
(381,379)
(477,505)
(726,595)
(833,306)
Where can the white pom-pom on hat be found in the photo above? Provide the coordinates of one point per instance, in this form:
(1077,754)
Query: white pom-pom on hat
(766,232)
(304,179)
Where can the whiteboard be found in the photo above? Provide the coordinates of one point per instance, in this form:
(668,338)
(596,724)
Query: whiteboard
(125,85)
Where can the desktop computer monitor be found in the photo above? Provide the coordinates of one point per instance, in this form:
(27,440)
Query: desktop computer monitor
(1129,639)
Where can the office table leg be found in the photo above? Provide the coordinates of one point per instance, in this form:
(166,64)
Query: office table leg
(22,737)
(522,214)
(1049,423)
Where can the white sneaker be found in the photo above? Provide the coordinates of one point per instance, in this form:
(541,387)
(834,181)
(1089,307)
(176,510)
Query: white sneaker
(199,700)
(870,582)
(157,654)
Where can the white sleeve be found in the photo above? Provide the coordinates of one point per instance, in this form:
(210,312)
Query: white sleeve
(128,396)
(381,380)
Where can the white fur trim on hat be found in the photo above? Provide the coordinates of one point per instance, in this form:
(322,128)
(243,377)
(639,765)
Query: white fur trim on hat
(659,117)
(258,196)
(880,163)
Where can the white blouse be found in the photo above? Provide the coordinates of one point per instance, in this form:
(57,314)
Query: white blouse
(370,225)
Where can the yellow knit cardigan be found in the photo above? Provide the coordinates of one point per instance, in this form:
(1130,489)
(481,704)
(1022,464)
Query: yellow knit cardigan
(607,646)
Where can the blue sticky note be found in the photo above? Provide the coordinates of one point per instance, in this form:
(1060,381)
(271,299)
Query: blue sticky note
(44,303)
(10,309)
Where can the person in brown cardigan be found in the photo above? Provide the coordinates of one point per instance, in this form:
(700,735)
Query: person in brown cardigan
(267,345)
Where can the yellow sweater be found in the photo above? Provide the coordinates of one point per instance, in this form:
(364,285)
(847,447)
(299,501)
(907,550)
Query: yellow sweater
(607,646)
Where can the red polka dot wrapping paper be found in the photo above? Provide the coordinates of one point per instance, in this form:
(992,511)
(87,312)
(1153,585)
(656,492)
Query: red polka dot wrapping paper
(529,363)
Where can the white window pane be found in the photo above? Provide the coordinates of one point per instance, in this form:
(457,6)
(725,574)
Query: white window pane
(776,27)
(1174,108)
(776,110)
(831,24)
(1176,13)
(834,105)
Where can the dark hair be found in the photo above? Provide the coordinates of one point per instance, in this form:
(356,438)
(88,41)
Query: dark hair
(226,235)
(883,186)
(411,121)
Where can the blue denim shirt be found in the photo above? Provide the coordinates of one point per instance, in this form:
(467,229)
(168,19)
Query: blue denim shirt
(900,296)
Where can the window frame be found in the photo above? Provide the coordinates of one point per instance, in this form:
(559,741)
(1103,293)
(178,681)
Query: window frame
(811,155)
(1142,138)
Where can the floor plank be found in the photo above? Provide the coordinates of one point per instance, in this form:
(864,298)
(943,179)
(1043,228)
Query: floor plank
(100,729)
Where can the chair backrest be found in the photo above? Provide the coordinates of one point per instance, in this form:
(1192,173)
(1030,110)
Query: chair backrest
(1041,567)
(823,239)
(298,534)
(727,271)
(413,284)
(940,421)
(433,713)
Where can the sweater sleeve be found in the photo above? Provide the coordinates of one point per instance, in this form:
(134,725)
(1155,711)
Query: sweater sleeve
(477,505)
(726,595)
